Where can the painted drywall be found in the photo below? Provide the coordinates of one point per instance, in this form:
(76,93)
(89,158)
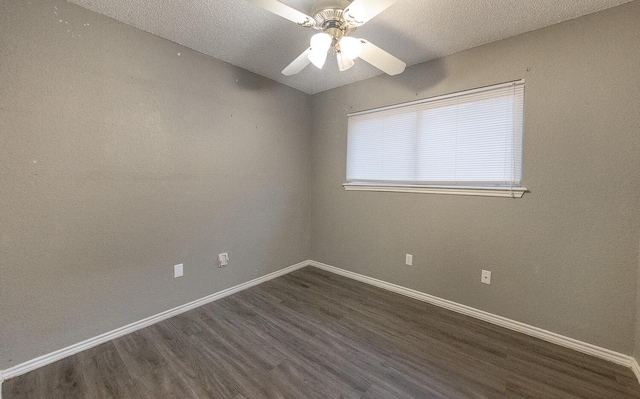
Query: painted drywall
(122,154)
(565,256)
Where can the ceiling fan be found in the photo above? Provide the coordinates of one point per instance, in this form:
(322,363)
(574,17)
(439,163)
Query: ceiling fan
(337,20)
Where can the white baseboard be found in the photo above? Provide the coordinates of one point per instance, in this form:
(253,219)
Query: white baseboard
(118,332)
(634,367)
(602,353)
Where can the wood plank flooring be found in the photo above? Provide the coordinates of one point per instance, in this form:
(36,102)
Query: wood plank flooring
(313,334)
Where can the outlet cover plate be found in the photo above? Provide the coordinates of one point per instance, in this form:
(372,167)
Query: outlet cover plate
(486,277)
(409,260)
(223,259)
(178,270)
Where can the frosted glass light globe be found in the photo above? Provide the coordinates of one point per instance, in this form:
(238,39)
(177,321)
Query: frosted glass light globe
(320,44)
(350,47)
(344,62)
(320,41)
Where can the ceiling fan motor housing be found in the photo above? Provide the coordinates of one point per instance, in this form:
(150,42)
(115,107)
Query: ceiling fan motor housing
(330,20)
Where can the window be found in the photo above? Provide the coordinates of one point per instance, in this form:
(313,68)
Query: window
(462,143)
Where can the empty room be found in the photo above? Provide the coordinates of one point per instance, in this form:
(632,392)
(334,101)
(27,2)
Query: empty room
(362,199)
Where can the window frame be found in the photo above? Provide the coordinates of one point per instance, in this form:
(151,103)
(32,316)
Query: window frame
(489,190)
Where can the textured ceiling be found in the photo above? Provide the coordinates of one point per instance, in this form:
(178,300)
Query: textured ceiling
(415,31)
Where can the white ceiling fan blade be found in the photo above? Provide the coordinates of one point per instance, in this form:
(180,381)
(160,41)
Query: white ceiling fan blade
(285,11)
(298,64)
(380,59)
(360,11)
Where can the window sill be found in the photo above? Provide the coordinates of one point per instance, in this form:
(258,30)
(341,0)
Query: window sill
(515,192)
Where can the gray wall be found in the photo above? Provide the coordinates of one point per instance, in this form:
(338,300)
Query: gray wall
(565,257)
(120,158)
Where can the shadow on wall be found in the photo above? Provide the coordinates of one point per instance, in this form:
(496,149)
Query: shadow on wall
(250,81)
(413,82)
(419,79)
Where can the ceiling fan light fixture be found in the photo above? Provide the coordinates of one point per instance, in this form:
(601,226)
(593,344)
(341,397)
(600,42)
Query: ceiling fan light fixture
(317,58)
(337,20)
(350,47)
(321,41)
(320,44)
(344,62)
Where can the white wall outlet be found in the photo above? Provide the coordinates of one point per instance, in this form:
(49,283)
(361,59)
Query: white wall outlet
(223,259)
(178,270)
(408,260)
(486,277)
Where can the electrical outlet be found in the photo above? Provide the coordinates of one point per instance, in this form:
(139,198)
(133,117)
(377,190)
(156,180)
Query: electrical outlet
(486,277)
(223,259)
(178,270)
(408,260)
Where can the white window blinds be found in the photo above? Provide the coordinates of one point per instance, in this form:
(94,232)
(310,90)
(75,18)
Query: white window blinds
(471,138)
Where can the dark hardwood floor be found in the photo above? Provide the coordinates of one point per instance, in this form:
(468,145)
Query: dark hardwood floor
(313,334)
